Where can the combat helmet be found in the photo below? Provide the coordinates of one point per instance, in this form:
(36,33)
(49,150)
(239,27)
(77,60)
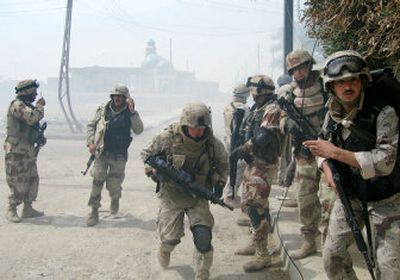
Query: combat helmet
(196,114)
(345,64)
(25,87)
(297,58)
(120,90)
(260,85)
(241,91)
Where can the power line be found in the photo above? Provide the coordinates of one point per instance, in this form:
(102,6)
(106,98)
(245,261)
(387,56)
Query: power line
(120,14)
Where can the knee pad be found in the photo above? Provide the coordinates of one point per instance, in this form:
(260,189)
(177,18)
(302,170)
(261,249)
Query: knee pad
(255,218)
(202,238)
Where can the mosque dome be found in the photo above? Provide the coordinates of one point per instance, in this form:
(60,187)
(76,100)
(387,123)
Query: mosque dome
(152,60)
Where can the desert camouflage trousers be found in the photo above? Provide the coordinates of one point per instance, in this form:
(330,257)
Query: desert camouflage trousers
(385,223)
(170,220)
(311,193)
(256,187)
(22,178)
(110,169)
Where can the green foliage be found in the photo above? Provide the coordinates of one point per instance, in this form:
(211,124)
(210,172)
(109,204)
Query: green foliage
(367,26)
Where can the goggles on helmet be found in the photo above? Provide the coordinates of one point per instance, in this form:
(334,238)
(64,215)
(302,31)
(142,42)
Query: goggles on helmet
(352,64)
(33,84)
(259,85)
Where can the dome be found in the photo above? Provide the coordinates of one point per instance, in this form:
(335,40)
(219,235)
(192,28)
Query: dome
(152,60)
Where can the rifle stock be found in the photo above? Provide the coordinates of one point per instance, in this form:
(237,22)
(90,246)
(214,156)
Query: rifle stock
(184,181)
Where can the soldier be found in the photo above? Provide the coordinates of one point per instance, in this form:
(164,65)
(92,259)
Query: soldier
(240,95)
(191,146)
(261,151)
(307,95)
(20,158)
(108,138)
(355,111)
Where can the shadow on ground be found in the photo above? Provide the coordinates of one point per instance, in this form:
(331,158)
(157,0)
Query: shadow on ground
(106,221)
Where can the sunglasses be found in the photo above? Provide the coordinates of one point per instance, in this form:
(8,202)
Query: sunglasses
(336,66)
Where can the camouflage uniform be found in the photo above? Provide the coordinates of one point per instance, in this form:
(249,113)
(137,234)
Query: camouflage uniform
(261,152)
(206,159)
(110,130)
(240,95)
(20,159)
(378,164)
(309,100)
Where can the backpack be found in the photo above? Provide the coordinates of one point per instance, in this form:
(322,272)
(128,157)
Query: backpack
(386,87)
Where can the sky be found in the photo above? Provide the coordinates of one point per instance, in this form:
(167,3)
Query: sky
(220,40)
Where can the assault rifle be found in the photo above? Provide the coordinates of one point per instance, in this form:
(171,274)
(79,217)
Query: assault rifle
(88,164)
(40,140)
(183,180)
(237,119)
(309,133)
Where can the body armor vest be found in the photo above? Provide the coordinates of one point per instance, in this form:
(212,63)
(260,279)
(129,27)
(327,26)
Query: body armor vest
(252,128)
(194,157)
(118,133)
(20,132)
(377,188)
(310,103)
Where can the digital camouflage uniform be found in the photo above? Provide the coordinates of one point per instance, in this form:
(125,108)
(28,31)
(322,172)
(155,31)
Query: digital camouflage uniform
(309,100)
(110,131)
(206,160)
(261,152)
(20,159)
(378,163)
(240,95)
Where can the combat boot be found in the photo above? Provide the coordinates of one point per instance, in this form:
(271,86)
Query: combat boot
(308,247)
(30,212)
(248,250)
(93,218)
(12,215)
(163,257)
(203,262)
(261,259)
(114,206)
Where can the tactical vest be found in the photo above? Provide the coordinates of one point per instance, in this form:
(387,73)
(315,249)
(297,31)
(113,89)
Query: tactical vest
(310,103)
(195,158)
(118,132)
(252,126)
(377,188)
(20,132)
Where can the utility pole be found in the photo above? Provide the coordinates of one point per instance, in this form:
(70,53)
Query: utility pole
(63,81)
(288,30)
(258,59)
